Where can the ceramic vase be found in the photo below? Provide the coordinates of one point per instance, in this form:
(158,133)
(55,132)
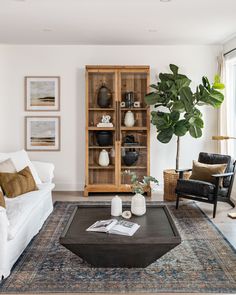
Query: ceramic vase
(138,205)
(129,119)
(104,138)
(103,158)
(130,157)
(104,97)
(116,206)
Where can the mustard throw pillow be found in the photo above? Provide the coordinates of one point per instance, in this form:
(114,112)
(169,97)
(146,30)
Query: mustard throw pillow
(2,200)
(15,184)
(204,172)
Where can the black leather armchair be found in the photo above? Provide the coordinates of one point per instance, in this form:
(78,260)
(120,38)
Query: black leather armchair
(205,191)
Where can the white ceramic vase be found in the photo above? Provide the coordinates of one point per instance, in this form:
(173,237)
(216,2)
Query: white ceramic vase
(138,205)
(129,119)
(116,206)
(103,158)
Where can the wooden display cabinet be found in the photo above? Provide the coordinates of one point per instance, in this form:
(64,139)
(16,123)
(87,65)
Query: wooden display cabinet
(119,80)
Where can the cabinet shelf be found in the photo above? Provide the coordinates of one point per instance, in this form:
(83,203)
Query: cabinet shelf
(133,167)
(101,109)
(100,128)
(101,167)
(134,109)
(123,128)
(134,147)
(100,147)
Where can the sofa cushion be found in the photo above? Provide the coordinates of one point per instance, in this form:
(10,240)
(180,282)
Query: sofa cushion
(195,187)
(7,166)
(21,159)
(209,158)
(204,172)
(15,184)
(19,208)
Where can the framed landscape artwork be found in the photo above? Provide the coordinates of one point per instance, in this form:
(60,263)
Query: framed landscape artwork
(42,133)
(42,93)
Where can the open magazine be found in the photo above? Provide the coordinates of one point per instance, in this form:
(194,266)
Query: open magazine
(113,226)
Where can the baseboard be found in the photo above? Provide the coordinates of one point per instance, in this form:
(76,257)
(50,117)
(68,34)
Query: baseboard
(69,187)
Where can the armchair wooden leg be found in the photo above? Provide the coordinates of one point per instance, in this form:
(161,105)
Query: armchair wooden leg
(177,202)
(214,209)
(231,203)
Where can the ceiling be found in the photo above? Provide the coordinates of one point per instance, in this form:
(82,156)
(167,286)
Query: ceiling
(117,22)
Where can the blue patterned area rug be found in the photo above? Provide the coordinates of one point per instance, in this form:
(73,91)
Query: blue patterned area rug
(203,262)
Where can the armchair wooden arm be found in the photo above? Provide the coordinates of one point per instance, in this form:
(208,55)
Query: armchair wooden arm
(181,172)
(223,175)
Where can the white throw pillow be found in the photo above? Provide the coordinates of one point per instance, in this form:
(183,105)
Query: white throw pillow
(21,160)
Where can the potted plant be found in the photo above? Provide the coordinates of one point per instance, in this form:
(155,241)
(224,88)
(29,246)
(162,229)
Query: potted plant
(177,111)
(139,187)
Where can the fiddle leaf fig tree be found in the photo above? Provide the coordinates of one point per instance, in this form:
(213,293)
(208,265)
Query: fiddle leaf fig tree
(177,106)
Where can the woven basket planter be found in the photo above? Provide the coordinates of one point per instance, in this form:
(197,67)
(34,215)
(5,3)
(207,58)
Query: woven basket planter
(170,182)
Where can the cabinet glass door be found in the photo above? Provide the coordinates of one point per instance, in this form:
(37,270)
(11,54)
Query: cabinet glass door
(134,118)
(101,117)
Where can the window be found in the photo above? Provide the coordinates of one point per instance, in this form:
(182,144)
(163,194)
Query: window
(230,83)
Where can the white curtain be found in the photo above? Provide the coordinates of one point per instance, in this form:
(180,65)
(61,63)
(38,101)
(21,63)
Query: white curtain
(227,111)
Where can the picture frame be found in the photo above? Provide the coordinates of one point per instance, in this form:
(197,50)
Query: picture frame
(42,93)
(42,133)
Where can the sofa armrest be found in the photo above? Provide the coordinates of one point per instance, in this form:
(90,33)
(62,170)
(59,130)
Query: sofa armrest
(4,223)
(45,170)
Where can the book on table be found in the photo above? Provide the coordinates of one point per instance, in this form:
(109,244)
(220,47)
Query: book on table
(114,226)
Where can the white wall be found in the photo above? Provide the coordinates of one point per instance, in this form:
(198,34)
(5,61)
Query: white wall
(69,62)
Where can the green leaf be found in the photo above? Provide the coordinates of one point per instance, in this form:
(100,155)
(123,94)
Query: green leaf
(199,122)
(206,83)
(186,97)
(174,69)
(216,98)
(174,116)
(184,82)
(195,131)
(151,98)
(160,120)
(154,86)
(219,86)
(181,128)
(165,135)
(217,79)
(178,106)
(166,77)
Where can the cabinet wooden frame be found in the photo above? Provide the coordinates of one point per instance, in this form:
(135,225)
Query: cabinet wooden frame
(110,179)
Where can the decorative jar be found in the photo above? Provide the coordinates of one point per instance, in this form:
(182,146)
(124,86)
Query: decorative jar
(116,206)
(129,119)
(103,158)
(138,205)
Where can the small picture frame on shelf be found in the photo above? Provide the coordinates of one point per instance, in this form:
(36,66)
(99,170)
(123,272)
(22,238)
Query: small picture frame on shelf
(42,93)
(42,133)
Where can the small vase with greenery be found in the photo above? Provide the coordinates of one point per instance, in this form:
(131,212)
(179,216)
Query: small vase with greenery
(139,187)
(177,105)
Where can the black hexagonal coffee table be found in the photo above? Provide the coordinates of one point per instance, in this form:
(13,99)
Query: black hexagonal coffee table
(156,236)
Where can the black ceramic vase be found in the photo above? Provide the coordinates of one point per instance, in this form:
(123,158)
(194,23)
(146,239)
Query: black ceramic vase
(104,138)
(130,157)
(104,97)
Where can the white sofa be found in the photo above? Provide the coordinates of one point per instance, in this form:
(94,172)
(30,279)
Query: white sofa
(23,218)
